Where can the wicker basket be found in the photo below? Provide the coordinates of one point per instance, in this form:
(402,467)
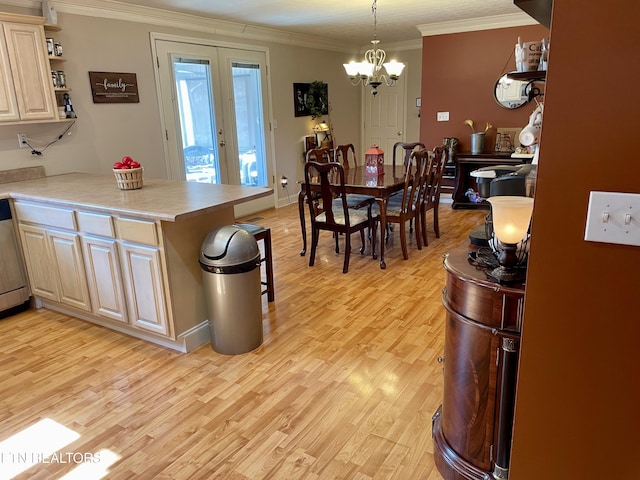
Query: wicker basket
(129,179)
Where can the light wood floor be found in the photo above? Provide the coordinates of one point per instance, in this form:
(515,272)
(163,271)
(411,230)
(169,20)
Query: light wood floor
(344,385)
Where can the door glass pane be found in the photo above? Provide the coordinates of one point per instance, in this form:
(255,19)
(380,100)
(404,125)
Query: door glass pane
(197,121)
(247,94)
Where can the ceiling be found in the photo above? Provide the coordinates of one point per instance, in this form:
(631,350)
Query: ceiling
(349,21)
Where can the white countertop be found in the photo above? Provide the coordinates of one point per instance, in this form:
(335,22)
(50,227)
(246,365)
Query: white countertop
(166,200)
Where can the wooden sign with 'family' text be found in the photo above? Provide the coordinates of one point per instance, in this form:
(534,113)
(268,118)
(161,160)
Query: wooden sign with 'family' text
(110,87)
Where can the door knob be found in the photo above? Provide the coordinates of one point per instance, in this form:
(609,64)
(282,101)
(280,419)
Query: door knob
(399,134)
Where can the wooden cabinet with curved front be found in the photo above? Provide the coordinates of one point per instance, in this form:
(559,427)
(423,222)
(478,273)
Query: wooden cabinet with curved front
(472,427)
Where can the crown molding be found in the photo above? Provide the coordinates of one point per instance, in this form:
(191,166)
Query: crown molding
(115,10)
(475,24)
(152,16)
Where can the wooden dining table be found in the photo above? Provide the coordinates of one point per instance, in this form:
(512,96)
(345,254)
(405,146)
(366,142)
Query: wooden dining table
(358,181)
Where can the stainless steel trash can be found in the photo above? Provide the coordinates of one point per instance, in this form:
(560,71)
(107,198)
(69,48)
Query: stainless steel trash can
(230,261)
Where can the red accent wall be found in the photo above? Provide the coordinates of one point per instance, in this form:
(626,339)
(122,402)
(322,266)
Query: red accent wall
(578,395)
(459,72)
(578,390)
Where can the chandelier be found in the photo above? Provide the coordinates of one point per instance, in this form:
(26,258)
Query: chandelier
(369,71)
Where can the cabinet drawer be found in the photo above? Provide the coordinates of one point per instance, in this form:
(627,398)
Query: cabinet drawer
(138,231)
(45,215)
(95,224)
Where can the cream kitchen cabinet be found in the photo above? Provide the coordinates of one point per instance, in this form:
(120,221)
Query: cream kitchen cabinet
(145,292)
(55,265)
(102,261)
(140,248)
(143,274)
(105,278)
(26,88)
(114,261)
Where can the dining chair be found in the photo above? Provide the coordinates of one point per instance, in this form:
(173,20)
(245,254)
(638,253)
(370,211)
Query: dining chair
(319,154)
(404,207)
(406,154)
(329,211)
(346,154)
(430,191)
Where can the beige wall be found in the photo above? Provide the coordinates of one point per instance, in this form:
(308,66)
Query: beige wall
(104,133)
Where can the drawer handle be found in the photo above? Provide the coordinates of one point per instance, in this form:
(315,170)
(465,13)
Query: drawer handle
(440,359)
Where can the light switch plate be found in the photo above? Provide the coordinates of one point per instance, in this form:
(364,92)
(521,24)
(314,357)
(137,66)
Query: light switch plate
(613,217)
(443,116)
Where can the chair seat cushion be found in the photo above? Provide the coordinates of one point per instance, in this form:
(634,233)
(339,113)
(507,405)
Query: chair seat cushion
(394,207)
(355,216)
(355,200)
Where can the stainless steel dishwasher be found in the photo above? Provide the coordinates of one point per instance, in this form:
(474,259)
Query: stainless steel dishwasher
(13,282)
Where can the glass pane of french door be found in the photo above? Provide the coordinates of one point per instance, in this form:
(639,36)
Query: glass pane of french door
(213,101)
(198,124)
(247,95)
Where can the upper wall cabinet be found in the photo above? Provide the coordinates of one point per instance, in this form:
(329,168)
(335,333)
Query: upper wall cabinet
(26,90)
(540,10)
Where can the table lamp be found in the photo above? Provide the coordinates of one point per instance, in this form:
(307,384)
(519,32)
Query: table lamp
(511,218)
(323,127)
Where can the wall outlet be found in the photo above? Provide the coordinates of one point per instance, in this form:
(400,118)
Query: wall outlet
(443,116)
(22,140)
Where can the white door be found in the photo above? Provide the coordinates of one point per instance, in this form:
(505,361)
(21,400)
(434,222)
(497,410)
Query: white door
(214,102)
(384,117)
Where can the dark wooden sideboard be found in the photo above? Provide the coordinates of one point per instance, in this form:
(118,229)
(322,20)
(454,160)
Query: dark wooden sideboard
(472,428)
(467,163)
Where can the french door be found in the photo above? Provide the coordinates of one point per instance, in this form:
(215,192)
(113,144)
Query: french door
(214,106)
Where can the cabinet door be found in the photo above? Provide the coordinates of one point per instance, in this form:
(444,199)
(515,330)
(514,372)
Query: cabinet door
(469,397)
(42,276)
(145,292)
(8,104)
(105,278)
(31,73)
(66,253)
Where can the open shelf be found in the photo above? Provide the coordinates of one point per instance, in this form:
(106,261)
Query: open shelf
(528,76)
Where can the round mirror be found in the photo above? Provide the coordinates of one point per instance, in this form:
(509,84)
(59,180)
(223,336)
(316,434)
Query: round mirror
(511,93)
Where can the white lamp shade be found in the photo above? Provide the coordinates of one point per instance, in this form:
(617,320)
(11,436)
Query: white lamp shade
(352,68)
(366,69)
(511,217)
(393,68)
(322,127)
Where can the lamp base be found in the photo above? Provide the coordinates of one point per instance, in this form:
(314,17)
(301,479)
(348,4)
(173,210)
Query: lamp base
(508,274)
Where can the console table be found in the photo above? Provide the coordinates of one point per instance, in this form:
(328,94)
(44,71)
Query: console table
(467,163)
(472,428)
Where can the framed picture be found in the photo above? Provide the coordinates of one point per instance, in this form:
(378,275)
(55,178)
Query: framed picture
(310,142)
(300,94)
(310,99)
(113,87)
(507,139)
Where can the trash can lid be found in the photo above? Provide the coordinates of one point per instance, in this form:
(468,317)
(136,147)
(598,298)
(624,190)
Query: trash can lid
(228,245)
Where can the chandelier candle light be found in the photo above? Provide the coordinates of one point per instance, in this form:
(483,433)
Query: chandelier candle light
(369,72)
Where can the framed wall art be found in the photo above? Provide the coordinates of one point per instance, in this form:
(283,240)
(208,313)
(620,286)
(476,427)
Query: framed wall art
(113,87)
(310,99)
(507,139)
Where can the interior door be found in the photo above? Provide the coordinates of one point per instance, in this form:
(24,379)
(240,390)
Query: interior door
(214,102)
(384,115)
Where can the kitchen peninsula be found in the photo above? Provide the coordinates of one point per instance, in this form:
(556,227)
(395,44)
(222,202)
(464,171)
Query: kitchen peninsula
(124,259)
